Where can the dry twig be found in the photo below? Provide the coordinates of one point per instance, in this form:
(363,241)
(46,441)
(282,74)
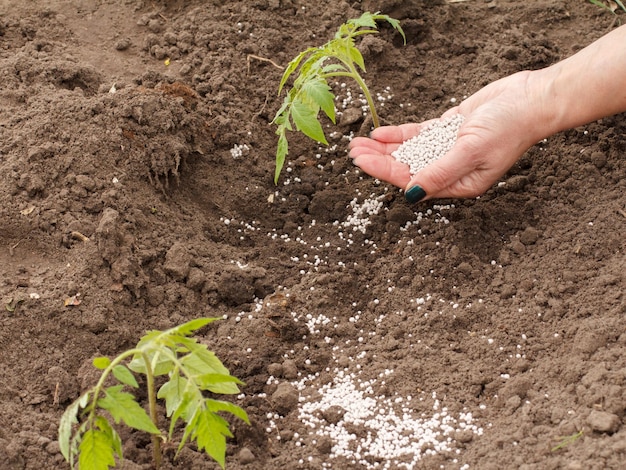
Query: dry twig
(262,59)
(13,247)
(79,236)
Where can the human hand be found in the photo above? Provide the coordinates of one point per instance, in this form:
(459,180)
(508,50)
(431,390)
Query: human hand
(502,121)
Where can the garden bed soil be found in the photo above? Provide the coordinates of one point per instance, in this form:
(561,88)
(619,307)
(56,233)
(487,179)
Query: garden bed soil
(136,180)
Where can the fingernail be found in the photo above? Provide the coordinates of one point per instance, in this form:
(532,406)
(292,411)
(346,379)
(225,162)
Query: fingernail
(414,194)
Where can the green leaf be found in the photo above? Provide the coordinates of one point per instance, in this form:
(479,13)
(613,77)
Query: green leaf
(203,363)
(191,401)
(345,30)
(281,115)
(220,405)
(186,345)
(600,4)
(162,366)
(320,93)
(150,337)
(156,338)
(396,25)
(114,437)
(356,56)
(209,430)
(283,120)
(305,118)
(282,150)
(96,451)
(366,20)
(68,420)
(311,66)
(219,383)
(200,360)
(83,400)
(293,65)
(154,345)
(331,68)
(340,49)
(125,376)
(101,362)
(172,392)
(123,406)
(65,429)
(187,329)
(75,443)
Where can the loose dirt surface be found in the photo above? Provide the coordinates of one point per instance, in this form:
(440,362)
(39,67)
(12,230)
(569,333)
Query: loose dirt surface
(136,157)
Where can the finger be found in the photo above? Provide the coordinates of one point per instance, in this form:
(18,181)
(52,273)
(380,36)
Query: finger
(396,134)
(365,146)
(384,140)
(362,145)
(385,168)
(450,112)
(465,187)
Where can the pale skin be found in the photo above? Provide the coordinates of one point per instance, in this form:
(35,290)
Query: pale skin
(503,120)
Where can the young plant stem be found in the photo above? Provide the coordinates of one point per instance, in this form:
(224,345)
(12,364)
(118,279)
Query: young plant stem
(354,75)
(105,374)
(156,440)
(156,443)
(368,97)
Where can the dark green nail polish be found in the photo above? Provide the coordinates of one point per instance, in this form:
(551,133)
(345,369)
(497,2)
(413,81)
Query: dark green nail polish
(415,194)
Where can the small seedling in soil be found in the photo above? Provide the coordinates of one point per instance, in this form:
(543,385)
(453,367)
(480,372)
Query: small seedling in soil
(311,92)
(86,431)
(564,441)
(612,9)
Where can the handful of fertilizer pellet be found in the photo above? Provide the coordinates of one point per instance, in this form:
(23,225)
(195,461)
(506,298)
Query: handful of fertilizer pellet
(430,144)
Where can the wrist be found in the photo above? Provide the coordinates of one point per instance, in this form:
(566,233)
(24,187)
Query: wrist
(582,88)
(548,102)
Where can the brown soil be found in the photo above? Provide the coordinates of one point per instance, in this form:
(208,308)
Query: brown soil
(510,307)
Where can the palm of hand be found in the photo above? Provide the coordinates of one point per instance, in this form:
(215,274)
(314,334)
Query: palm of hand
(496,132)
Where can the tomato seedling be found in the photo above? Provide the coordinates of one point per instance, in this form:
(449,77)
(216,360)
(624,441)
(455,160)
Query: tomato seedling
(190,368)
(311,92)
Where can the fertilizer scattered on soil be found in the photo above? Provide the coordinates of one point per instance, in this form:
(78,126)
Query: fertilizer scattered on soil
(359,220)
(392,434)
(432,143)
(185,220)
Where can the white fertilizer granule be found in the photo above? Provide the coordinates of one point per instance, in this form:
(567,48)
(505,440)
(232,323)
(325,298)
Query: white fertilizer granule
(430,144)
